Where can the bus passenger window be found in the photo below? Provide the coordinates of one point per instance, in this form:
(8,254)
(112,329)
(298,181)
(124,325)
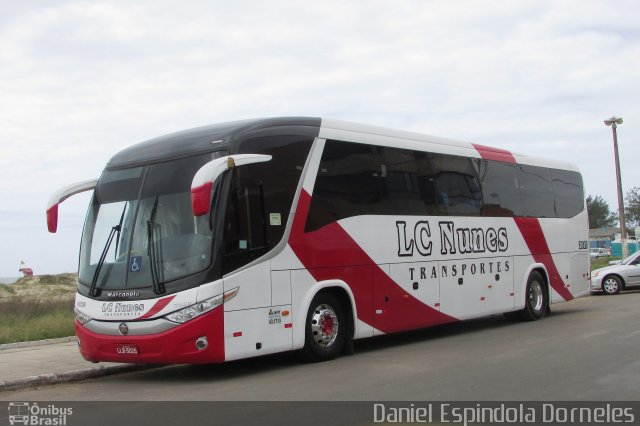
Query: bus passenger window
(457,189)
(347,185)
(500,189)
(568,192)
(536,190)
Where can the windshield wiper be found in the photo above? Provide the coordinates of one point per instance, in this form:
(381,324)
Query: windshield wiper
(115,253)
(158,284)
(103,256)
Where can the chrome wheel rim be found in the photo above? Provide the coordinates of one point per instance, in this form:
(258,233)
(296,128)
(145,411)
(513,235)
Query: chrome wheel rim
(324,325)
(610,285)
(536,296)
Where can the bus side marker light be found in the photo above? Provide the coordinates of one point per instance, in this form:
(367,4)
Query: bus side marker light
(482,298)
(288,325)
(237,334)
(230,294)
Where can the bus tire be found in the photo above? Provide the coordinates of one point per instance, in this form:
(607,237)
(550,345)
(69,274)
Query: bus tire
(325,328)
(536,298)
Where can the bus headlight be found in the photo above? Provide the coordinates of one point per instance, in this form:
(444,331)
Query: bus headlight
(194,311)
(81,317)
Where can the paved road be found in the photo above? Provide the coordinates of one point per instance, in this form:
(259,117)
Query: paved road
(587,349)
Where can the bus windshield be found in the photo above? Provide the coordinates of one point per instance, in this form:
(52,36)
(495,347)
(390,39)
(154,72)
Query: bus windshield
(140,230)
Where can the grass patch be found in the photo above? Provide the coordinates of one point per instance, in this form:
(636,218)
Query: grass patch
(37,308)
(25,320)
(67,279)
(44,288)
(6,290)
(601,262)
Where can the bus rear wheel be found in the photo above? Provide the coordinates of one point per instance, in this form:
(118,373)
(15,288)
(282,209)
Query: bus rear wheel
(325,329)
(536,299)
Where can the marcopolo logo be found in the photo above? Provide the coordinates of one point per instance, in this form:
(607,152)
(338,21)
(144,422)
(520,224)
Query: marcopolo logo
(26,413)
(122,294)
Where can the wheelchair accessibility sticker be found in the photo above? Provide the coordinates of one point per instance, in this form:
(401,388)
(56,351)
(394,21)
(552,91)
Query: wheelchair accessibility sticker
(136,264)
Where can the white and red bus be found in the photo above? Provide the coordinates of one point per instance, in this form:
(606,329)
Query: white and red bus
(261,236)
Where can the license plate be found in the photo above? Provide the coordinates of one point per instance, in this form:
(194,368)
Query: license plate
(127,349)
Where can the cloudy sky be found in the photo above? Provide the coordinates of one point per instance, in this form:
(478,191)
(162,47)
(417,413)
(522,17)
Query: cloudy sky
(80,80)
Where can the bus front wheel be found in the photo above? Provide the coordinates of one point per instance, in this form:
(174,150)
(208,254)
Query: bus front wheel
(536,299)
(325,329)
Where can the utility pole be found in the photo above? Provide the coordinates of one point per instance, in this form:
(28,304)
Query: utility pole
(613,122)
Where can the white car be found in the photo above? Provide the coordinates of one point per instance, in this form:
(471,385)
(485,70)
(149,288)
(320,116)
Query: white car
(613,278)
(594,253)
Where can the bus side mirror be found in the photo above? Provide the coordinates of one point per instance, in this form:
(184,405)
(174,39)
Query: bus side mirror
(204,178)
(61,195)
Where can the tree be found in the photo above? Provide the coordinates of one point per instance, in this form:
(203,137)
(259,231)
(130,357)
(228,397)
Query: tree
(632,207)
(600,216)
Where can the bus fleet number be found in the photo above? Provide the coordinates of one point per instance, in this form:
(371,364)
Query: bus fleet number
(583,245)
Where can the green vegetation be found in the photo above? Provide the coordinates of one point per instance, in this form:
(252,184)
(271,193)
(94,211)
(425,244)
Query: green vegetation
(601,262)
(37,308)
(600,215)
(25,320)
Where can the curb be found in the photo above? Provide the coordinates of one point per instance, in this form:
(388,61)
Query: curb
(37,343)
(70,376)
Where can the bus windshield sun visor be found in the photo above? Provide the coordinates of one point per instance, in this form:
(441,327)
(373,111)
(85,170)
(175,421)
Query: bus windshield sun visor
(61,195)
(205,177)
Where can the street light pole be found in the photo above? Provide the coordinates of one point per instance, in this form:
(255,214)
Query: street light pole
(613,122)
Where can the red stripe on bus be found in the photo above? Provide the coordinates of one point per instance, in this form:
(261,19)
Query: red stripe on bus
(159,305)
(537,243)
(497,154)
(318,252)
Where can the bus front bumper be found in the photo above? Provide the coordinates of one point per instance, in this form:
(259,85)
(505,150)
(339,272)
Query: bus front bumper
(182,344)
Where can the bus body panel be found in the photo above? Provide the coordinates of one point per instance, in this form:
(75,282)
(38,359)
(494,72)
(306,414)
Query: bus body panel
(280,288)
(254,284)
(416,278)
(257,331)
